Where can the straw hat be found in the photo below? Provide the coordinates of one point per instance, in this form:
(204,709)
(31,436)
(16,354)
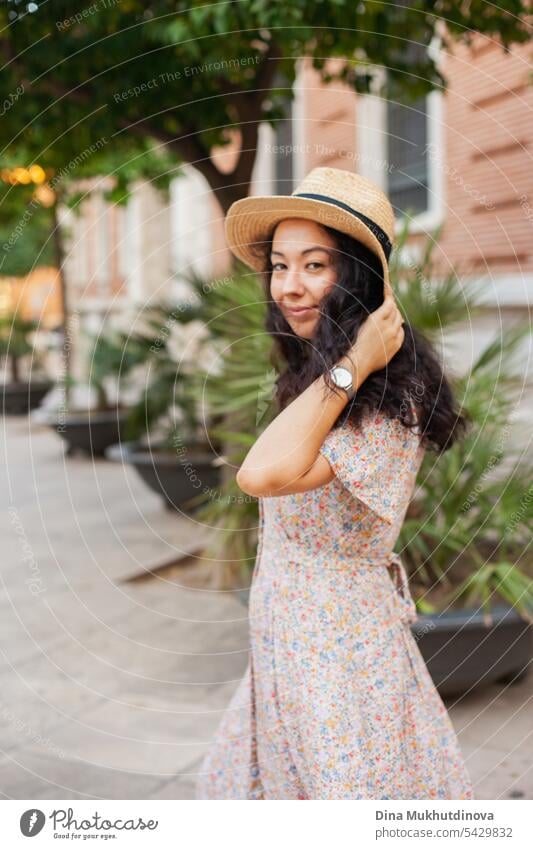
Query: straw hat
(330,196)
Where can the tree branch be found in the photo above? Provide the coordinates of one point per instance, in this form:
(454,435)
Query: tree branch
(250,110)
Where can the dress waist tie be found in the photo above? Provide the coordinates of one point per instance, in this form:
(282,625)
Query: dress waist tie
(402,597)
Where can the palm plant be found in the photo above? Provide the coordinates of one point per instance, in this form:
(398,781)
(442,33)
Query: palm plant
(109,358)
(460,541)
(16,343)
(173,343)
(240,397)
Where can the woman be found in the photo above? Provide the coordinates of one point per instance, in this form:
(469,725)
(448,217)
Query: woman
(336,702)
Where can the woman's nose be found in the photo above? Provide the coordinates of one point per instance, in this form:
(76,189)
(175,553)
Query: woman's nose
(292,282)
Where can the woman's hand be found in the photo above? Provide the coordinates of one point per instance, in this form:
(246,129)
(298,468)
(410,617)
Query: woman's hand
(380,336)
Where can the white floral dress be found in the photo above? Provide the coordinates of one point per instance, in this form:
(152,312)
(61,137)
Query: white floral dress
(336,701)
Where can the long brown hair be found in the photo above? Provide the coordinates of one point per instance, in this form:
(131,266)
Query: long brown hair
(412,387)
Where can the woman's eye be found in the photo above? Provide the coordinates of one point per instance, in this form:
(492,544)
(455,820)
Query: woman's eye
(277,266)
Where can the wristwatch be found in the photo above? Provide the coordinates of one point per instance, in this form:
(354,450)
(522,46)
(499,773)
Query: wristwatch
(342,377)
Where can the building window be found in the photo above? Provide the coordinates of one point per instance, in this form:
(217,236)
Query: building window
(400,147)
(191,223)
(283,146)
(408,171)
(102,272)
(277,172)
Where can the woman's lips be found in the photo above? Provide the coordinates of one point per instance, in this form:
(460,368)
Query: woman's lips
(299,311)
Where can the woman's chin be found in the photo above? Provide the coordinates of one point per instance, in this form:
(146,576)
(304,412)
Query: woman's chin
(305,329)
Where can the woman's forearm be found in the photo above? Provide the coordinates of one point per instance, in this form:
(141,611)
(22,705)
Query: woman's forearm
(289,446)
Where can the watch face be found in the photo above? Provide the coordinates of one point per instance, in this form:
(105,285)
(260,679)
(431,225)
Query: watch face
(342,377)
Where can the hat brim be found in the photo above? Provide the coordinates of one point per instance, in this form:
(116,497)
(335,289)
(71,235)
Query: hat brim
(249,223)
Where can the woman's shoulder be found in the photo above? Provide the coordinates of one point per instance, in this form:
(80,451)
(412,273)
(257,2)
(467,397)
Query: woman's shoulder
(376,459)
(382,425)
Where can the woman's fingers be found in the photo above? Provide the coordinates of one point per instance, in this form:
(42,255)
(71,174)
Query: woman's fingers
(387,289)
(388,305)
(389,309)
(392,322)
(381,335)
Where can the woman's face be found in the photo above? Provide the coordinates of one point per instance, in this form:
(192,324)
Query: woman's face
(303,270)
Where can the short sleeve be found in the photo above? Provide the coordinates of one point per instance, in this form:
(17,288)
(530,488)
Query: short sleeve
(376,461)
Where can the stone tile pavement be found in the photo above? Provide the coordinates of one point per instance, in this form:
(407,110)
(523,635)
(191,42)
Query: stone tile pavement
(110,689)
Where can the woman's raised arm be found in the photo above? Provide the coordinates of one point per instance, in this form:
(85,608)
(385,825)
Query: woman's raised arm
(285,456)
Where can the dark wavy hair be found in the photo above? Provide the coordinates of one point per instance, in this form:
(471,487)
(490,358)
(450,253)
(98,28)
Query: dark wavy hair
(412,387)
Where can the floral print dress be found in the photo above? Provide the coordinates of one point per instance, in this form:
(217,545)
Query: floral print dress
(336,701)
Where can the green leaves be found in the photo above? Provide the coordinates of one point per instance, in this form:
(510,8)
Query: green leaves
(430,303)
(242,392)
(15,333)
(128,73)
(503,579)
(25,228)
(471,511)
(18,343)
(240,397)
(113,355)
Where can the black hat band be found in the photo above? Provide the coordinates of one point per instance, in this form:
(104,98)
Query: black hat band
(378,232)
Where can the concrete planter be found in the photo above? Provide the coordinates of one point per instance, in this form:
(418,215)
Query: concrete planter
(462,651)
(176,479)
(89,432)
(21,397)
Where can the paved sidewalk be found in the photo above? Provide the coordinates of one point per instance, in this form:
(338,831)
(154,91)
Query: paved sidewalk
(111,689)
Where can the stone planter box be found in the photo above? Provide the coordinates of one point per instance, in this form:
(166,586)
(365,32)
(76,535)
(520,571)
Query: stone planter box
(176,479)
(88,432)
(462,651)
(19,398)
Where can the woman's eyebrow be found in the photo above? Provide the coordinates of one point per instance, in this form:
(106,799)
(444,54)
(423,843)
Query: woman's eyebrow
(307,251)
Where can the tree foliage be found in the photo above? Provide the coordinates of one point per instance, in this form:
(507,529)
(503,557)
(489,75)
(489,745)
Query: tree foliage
(192,74)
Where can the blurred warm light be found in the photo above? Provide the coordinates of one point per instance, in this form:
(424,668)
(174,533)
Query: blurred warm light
(23,176)
(5,299)
(8,176)
(37,174)
(20,176)
(45,195)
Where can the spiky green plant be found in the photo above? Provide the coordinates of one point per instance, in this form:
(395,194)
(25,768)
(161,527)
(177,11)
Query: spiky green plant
(241,397)
(459,522)
(16,343)
(108,357)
